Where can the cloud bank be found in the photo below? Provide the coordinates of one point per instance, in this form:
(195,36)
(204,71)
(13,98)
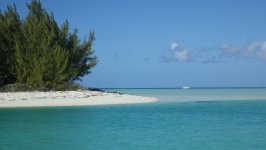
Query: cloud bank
(252,51)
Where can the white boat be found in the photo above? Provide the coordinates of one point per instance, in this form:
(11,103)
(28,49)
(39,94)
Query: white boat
(185,87)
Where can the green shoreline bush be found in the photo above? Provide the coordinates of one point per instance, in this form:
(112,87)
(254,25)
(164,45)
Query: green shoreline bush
(18,87)
(35,53)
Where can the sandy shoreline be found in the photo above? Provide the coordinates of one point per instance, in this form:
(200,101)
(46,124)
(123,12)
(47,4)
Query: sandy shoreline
(68,98)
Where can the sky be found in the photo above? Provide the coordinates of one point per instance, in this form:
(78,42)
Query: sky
(168,43)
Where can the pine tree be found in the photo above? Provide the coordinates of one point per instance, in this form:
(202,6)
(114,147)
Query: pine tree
(41,35)
(10,33)
(81,58)
(41,54)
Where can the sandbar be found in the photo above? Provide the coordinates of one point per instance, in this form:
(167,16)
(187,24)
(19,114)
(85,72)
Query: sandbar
(68,98)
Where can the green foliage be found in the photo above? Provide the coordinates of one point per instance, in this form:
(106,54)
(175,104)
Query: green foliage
(39,53)
(10,32)
(15,88)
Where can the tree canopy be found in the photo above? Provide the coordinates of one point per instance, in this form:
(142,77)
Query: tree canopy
(38,52)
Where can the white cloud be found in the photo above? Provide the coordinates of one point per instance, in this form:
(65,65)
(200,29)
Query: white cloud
(253,50)
(173,46)
(256,50)
(230,49)
(262,53)
(181,55)
(176,53)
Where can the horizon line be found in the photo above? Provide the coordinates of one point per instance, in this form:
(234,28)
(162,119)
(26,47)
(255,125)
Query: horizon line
(182,88)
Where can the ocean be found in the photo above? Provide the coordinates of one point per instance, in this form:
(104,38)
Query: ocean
(189,119)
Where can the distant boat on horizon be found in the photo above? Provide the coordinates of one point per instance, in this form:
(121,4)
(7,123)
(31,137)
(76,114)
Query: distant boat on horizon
(185,87)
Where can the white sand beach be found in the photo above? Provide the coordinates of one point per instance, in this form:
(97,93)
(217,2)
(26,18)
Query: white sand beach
(68,98)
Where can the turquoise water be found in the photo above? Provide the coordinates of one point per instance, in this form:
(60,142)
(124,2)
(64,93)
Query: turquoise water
(236,125)
(174,95)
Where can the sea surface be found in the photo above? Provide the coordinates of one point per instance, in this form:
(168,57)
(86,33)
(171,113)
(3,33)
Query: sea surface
(185,119)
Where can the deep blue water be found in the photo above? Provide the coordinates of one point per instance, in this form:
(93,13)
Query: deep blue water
(219,125)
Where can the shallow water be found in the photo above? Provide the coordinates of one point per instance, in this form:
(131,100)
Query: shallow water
(216,94)
(166,125)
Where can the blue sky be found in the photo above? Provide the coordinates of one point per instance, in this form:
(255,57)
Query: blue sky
(169,43)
